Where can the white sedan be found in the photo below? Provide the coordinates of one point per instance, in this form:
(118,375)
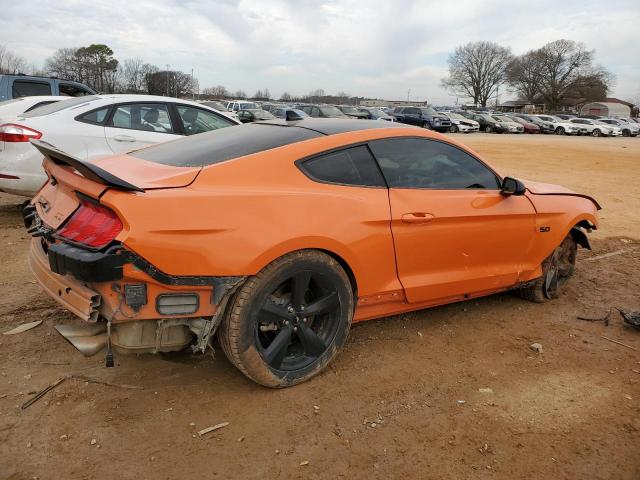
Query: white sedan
(597,128)
(94,126)
(17,106)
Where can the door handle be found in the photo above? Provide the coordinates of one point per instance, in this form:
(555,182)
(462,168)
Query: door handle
(124,138)
(417,217)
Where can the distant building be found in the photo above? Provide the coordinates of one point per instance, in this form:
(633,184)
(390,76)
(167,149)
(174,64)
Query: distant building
(520,106)
(389,103)
(607,109)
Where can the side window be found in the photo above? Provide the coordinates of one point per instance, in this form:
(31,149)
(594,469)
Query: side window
(151,117)
(24,88)
(195,120)
(95,116)
(70,90)
(418,163)
(352,166)
(411,111)
(315,112)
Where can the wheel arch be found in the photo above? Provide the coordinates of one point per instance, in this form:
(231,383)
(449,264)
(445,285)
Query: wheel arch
(340,253)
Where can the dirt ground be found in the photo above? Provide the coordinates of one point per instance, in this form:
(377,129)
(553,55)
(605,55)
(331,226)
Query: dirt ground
(406,398)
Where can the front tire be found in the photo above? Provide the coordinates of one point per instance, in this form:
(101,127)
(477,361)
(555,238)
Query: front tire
(595,132)
(557,269)
(560,131)
(286,323)
(488,129)
(453,129)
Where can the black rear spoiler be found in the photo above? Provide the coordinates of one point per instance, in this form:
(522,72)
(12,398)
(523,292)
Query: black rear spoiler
(86,169)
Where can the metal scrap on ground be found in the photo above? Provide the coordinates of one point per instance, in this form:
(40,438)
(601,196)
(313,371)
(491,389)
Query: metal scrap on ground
(23,328)
(211,429)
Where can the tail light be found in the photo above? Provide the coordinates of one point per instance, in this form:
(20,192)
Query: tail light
(92,224)
(10,132)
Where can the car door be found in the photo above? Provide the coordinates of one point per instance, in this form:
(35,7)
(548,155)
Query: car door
(136,125)
(455,234)
(411,116)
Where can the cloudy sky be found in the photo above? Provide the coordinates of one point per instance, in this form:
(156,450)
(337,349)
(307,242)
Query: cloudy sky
(374,48)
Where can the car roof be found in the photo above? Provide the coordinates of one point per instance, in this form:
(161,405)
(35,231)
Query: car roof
(332,126)
(234,142)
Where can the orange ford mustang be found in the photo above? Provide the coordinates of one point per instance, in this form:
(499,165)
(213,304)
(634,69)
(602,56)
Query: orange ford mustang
(276,236)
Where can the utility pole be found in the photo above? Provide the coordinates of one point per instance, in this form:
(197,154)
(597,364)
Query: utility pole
(193,91)
(408,94)
(168,67)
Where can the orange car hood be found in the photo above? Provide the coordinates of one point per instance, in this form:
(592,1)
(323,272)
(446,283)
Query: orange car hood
(147,175)
(538,188)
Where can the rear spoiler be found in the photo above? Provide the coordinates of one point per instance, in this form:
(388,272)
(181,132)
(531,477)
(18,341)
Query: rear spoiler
(86,169)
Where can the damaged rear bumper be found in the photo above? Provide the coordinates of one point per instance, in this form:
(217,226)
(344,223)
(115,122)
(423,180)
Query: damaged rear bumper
(68,292)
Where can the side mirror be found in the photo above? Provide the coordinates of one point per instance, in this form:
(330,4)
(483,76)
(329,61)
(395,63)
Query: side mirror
(511,186)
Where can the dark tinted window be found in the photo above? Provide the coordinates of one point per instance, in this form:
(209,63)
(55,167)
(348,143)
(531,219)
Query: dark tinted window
(95,116)
(352,166)
(223,144)
(418,163)
(71,90)
(23,88)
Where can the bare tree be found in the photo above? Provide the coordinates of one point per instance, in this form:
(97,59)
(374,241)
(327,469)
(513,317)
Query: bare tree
(567,65)
(62,64)
(11,63)
(240,94)
(525,75)
(477,70)
(219,91)
(132,75)
(286,97)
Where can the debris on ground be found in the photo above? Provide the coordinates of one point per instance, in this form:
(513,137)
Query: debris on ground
(23,328)
(304,463)
(204,431)
(604,319)
(536,347)
(631,318)
(84,378)
(485,390)
(618,342)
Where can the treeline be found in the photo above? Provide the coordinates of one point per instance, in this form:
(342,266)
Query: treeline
(97,67)
(557,74)
(315,96)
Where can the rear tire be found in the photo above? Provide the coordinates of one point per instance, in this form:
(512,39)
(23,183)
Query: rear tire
(557,269)
(595,132)
(626,133)
(453,129)
(488,129)
(269,331)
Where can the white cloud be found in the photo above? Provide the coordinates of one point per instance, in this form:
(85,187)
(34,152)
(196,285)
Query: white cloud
(376,48)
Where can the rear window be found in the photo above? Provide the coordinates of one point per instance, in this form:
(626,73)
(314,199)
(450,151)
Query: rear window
(26,88)
(59,106)
(223,144)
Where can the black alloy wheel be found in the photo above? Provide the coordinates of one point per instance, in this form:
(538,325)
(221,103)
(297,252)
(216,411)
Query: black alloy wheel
(297,321)
(285,324)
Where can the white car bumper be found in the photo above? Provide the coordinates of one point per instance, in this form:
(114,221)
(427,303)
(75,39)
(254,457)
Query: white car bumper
(21,170)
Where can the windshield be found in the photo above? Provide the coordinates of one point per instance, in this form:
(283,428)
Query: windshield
(248,106)
(501,119)
(488,118)
(263,115)
(376,113)
(331,112)
(59,106)
(428,110)
(456,116)
(349,110)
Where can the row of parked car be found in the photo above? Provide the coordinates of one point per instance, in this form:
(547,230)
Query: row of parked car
(463,121)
